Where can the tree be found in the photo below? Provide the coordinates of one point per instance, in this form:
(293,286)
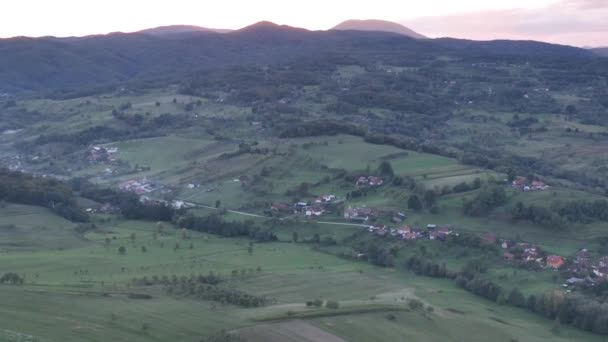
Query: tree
(294,236)
(414,203)
(386,169)
(332,304)
(132,237)
(511,174)
(415,304)
(516,298)
(218,203)
(250,250)
(122,250)
(160,228)
(430,197)
(12,278)
(144,249)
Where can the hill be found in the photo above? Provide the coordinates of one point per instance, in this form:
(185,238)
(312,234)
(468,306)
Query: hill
(179,30)
(603,51)
(34,64)
(377,25)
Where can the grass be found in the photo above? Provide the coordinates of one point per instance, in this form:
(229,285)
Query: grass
(26,227)
(64,295)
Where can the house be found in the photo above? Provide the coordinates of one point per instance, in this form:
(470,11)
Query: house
(506,244)
(360,214)
(531,254)
(404,231)
(376,227)
(575,281)
(412,235)
(431,226)
(583,258)
(555,261)
(314,211)
(281,207)
(519,183)
(101,154)
(362,181)
(325,199)
(538,185)
(369,180)
(441,234)
(381,232)
(601,272)
(300,206)
(603,262)
(508,256)
(375,181)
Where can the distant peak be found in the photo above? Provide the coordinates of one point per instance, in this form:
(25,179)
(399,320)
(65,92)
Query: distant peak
(178,29)
(377,25)
(268,26)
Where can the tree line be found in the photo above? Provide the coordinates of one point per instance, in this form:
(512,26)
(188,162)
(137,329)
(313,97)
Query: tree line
(53,194)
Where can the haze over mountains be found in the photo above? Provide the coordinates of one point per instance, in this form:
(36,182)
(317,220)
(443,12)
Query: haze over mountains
(348,25)
(377,25)
(179,29)
(34,64)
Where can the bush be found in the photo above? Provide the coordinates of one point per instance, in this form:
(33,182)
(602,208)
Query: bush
(332,304)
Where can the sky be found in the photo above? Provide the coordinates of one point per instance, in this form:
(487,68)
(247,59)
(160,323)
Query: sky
(574,22)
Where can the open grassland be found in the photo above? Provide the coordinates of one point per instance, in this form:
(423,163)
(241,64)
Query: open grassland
(24,227)
(80,293)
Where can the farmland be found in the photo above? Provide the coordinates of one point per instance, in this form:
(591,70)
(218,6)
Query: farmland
(89,284)
(372,197)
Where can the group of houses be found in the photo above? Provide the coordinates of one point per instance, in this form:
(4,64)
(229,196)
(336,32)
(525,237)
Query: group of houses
(406,232)
(580,269)
(315,209)
(139,186)
(101,154)
(526,253)
(583,269)
(523,184)
(362,214)
(106,208)
(369,181)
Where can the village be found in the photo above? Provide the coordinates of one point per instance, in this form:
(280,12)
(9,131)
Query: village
(579,270)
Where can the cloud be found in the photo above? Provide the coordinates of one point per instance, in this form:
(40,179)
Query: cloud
(572,22)
(587,4)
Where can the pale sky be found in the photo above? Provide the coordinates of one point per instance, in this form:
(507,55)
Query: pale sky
(577,22)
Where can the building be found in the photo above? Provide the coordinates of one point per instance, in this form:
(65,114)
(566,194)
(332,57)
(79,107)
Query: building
(555,261)
(281,207)
(359,214)
(369,181)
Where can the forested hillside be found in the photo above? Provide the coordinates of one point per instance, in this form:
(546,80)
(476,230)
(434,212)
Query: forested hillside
(33,64)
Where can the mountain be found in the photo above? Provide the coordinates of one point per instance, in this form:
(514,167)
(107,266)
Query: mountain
(178,30)
(602,51)
(377,25)
(48,64)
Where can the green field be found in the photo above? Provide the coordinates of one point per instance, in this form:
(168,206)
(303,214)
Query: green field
(88,285)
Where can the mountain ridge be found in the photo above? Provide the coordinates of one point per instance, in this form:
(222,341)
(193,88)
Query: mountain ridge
(35,64)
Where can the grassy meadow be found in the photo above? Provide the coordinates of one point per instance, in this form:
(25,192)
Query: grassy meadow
(82,293)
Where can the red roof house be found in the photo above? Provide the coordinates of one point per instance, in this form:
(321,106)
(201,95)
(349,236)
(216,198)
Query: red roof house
(555,261)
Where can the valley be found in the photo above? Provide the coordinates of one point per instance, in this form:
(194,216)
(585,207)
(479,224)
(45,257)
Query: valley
(383,189)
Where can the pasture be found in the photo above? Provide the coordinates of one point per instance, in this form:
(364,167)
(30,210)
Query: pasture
(89,285)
